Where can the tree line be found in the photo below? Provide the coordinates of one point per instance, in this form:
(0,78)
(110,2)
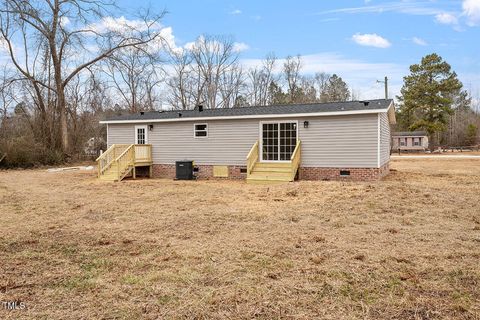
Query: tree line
(69,65)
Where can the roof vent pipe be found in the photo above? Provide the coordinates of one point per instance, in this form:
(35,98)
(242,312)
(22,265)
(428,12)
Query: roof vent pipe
(179,114)
(365,103)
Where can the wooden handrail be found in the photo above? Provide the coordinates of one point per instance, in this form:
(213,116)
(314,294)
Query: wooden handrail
(106,159)
(252,157)
(123,153)
(252,149)
(295,159)
(121,157)
(297,149)
(103,155)
(143,152)
(125,160)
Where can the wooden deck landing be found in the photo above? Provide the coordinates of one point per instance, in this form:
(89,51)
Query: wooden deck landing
(121,160)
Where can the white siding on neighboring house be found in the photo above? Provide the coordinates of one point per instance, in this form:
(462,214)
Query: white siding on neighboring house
(349,141)
(385,138)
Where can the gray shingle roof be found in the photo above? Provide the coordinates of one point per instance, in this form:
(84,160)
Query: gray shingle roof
(409,134)
(258,110)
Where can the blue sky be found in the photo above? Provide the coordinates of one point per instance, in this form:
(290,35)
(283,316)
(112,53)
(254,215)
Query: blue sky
(360,40)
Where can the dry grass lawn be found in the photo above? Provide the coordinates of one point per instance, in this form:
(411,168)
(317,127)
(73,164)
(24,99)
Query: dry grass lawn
(407,247)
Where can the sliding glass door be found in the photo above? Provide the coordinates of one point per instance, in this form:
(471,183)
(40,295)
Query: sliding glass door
(278,140)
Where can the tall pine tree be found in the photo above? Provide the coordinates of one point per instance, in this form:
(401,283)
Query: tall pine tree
(427,96)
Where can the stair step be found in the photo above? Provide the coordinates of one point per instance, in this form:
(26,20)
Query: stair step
(270,173)
(284,175)
(273,164)
(108,178)
(266,181)
(272,169)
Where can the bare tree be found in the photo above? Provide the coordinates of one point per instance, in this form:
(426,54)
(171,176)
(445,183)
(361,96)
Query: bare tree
(307,92)
(135,74)
(206,72)
(291,69)
(232,84)
(321,83)
(213,59)
(7,95)
(65,28)
(259,81)
(181,82)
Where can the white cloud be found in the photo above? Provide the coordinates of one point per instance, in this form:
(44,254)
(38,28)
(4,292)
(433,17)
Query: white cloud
(419,41)
(64,21)
(168,38)
(236,12)
(121,24)
(446,18)
(449,13)
(371,40)
(124,25)
(240,46)
(406,7)
(471,9)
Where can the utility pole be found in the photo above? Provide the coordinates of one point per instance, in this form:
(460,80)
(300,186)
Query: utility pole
(386,86)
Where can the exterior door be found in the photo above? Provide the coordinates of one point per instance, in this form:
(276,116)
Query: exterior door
(278,140)
(141,135)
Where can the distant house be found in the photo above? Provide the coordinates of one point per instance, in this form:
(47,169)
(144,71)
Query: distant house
(318,141)
(410,141)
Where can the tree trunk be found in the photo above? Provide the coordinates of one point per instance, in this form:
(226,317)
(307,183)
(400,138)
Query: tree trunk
(63,119)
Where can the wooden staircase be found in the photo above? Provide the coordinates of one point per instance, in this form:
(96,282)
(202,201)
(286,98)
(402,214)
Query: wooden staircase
(121,160)
(272,172)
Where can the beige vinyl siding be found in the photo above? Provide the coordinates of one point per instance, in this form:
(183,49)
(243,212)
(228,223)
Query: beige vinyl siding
(228,142)
(385,139)
(332,141)
(340,141)
(121,134)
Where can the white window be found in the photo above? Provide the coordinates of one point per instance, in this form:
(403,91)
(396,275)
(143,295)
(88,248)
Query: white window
(141,135)
(416,142)
(200,130)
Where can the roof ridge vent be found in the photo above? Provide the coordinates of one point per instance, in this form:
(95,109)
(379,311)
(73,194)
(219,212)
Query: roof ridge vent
(365,103)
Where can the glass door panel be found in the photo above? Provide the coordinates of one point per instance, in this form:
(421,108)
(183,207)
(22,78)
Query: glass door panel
(278,141)
(270,141)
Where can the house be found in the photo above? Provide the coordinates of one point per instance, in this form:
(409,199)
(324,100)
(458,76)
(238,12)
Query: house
(318,141)
(410,141)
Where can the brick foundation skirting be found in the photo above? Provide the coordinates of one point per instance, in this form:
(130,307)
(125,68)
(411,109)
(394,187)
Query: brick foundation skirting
(305,173)
(204,172)
(355,174)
